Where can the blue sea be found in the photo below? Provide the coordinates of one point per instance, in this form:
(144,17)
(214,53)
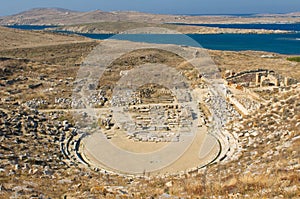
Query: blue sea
(277,43)
(289,27)
(30,27)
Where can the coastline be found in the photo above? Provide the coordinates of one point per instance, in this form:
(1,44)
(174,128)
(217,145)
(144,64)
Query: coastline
(112,28)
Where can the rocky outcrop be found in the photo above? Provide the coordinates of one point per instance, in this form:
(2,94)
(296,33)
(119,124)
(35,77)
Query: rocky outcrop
(103,28)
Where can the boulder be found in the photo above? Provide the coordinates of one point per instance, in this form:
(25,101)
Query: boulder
(33,86)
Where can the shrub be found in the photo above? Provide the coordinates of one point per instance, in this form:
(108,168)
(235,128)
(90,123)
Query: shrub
(296,59)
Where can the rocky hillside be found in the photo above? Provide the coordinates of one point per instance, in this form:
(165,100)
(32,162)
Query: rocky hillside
(62,16)
(66,17)
(13,38)
(266,164)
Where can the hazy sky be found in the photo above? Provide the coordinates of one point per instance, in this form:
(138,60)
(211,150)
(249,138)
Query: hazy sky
(159,6)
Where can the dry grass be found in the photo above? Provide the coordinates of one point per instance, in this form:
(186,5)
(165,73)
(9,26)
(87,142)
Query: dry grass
(249,60)
(63,54)
(229,180)
(13,38)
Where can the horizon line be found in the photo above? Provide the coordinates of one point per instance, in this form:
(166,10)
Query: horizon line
(180,14)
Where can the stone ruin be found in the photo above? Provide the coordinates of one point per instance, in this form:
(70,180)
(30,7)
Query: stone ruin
(258,78)
(157,123)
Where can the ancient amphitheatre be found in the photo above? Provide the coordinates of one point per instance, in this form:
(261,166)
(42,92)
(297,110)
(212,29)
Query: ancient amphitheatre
(149,133)
(47,134)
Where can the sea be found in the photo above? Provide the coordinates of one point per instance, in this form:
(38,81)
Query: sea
(275,43)
(30,27)
(295,27)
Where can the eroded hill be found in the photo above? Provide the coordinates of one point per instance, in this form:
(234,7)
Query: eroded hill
(58,16)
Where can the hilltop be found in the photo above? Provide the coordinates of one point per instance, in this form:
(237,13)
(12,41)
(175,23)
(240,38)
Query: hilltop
(58,16)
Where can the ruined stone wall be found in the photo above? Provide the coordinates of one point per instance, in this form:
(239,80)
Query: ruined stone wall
(245,76)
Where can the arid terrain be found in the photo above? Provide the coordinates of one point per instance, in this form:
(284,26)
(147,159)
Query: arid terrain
(43,143)
(56,16)
(14,39)
(119,27)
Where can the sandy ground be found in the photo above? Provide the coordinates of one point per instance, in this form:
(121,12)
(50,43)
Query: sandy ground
(202,150)
(122,142)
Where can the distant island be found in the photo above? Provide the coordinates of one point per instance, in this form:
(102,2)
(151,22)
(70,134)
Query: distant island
(100,22)
(58,16)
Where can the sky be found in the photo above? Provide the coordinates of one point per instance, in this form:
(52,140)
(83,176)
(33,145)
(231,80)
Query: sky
(9,7)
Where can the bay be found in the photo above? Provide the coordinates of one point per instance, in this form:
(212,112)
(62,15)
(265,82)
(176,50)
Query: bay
(277,43)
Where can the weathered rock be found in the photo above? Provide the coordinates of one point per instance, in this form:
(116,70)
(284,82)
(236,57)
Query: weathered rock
(34,86)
